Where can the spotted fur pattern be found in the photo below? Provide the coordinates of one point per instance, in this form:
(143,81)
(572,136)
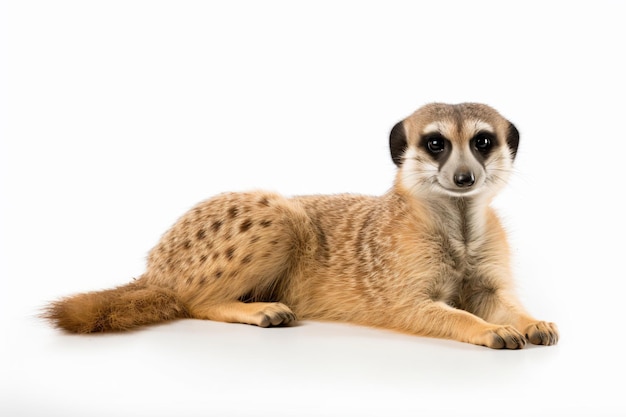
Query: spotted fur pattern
(424,258)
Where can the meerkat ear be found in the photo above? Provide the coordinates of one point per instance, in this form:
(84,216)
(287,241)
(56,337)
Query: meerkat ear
(512,139)
(397,143)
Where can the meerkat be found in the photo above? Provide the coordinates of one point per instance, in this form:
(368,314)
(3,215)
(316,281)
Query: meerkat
(429,257)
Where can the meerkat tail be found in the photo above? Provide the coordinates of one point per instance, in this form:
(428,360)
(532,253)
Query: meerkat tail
(118,309)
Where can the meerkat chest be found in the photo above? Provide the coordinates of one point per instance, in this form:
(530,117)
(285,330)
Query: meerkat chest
(462,245)
(461,255)
(463,234)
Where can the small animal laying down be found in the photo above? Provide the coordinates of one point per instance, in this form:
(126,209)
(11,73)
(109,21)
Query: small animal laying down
(429,257)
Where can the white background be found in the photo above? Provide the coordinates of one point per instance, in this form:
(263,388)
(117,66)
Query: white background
(118,116)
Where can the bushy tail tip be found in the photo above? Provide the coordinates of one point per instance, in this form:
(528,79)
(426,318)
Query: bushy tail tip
(118,309)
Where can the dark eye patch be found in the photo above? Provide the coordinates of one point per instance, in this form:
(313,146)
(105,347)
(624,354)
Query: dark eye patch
(482,145)
(437,146)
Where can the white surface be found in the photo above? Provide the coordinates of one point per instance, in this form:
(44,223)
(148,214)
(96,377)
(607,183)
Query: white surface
(116,117)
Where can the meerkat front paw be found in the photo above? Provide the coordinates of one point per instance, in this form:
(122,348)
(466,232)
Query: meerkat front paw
(542,333)
(502,337)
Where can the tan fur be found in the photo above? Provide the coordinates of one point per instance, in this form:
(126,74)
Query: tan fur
(414,260)
(121,308)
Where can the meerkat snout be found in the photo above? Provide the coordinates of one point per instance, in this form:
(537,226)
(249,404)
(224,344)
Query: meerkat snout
(464,179)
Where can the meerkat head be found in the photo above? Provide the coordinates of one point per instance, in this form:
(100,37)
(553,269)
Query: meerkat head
(454,150)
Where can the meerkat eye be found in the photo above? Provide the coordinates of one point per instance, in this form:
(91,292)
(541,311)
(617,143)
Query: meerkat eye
(436,144)
(483,142)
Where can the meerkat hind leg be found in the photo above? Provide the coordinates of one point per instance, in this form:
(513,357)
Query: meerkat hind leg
(257,313)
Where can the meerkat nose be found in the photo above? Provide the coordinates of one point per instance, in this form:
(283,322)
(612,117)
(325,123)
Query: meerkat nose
(464,179)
